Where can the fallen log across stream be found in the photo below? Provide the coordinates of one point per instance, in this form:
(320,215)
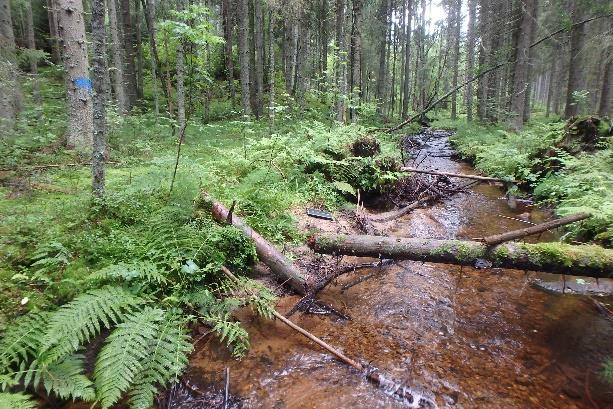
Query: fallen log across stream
(455,175)
(583,260)
(414,397)
(267,253)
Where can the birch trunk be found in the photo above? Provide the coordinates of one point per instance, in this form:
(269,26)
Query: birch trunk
(71,28)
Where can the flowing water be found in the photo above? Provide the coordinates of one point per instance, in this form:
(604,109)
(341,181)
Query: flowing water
(472,338)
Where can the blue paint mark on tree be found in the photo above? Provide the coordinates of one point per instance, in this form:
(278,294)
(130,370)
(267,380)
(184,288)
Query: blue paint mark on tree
(84,83)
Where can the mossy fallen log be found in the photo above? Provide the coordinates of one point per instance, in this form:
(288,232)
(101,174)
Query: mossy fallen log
(584,260)
(267,253)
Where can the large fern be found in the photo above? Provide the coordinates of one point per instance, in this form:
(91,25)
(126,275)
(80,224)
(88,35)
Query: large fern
(65,378)
(77,322)
(22,340)
(149,347)
(143,272)
(16,401)
(168,356)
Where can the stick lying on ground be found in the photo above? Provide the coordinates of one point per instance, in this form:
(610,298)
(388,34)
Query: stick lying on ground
(539,228)
(585,260)
(267,253)
(373,375)
(455,175)
(394,214)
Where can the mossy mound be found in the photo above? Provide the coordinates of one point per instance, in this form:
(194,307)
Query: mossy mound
(365,147)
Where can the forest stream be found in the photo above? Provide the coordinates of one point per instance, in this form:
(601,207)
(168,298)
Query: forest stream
(470,338)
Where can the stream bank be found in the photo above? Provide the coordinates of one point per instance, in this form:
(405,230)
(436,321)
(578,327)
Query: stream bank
(471,337)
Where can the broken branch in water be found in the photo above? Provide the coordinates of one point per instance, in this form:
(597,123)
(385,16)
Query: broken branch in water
(536,229)
(372,374)
(585,260)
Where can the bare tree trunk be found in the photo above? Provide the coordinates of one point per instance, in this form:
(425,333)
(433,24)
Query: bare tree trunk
(116,50)
(227,20)
(100,94)
(180,85)
(528,95)
(340,70)
(382,74)
(301,60)
(258,24)
(53,37)
(324,41)
(455,63)
(33,61)
(356,59)
(129,70)
(243,49)
(604,105)
(520,69)
(575,68)
(138,37)
(553,71)
(10,94)
(156,67)
(470,56)
(71,28)
(271,65)
(407,60)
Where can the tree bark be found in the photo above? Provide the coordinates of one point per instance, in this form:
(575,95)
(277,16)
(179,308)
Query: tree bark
(323,34)
(266,252)
(243,49)
(382,73)
(10,94)
(180,85)
(53,37)
(33,60)
(407,60)
(470,56)
(129,70)
(100,94)
(71,28)
(138,39)
(258,25)
(520,68)
(455,62)
(301,60)
(576,67)
(227,21)
(604,105)
(149,7)
(341,63)
(271,65)
(586,260)
(356,59)
(116,50)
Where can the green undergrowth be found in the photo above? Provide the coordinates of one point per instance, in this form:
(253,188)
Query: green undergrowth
(570,184)
(136,273)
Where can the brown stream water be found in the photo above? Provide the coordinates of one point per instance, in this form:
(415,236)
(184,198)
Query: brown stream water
(473,338)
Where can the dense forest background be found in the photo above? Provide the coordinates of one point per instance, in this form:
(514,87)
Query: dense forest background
(116,114)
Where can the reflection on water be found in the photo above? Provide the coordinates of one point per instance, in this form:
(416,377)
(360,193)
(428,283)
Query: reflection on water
(473,338)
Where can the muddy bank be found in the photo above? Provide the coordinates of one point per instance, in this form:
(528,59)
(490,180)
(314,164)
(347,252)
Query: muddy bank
(471,337)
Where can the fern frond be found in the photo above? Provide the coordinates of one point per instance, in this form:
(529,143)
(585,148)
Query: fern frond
(22,340)
(232,332)
(67,380)
(168,356)
(77,322)
(148,348)
(141,271)
(16,401)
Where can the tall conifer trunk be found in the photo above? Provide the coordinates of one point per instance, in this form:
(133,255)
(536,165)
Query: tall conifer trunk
(243,50)
(100,94)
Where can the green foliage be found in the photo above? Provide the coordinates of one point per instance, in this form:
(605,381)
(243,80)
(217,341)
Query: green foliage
(77,322)
(573,184)
(148,348)
(16,401)
(22,341)
(607,371)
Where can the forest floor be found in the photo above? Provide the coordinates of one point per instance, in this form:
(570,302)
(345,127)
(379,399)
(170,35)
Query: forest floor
(53,236)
